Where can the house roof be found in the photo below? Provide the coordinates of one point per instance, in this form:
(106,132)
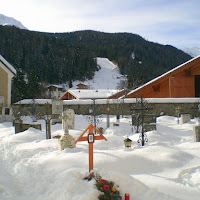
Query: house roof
(55,86)
(8,66)
(90,94)
(80,84)
(119,94)
(173,71)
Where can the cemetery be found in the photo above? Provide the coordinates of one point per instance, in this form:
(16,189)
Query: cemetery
(131,154)
(106,149)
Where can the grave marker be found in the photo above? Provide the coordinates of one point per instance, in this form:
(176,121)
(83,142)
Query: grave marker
(57,109)
(67,140)
(47,116)
(91,139)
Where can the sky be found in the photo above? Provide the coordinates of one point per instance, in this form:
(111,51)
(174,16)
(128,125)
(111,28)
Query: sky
(174,22)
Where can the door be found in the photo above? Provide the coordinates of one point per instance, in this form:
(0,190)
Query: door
(197,85)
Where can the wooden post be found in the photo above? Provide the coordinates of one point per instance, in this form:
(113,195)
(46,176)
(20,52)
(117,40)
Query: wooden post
(90,156)
(90,138)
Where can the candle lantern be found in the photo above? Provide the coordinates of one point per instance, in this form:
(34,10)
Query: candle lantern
(127,196)
(127,142)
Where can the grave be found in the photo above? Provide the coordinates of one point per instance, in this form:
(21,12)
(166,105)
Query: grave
(57,109)
(91,137)
(67,141)
(68,118)
(140,118)
(196,131)
(20,127)
(150,127)
(185,118)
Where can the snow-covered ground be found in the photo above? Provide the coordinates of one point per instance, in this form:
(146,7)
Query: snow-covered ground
(108,76)
(167,168)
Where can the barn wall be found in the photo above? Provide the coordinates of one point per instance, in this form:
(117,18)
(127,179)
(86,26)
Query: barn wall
(179,83)
(157,90)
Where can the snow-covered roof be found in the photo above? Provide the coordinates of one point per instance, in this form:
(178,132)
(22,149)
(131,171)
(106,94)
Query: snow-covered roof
(8,66)
(163,75)
(57,86)
(92,94)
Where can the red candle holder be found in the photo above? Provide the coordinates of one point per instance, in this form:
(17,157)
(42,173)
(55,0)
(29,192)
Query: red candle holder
(127,196)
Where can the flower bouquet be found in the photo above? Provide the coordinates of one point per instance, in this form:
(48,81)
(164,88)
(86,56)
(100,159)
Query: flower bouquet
(108,189)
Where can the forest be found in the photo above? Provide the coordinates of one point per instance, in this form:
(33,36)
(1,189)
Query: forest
(56,58)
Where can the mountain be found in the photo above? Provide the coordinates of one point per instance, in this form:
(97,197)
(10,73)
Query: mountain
(9,21)
(62,58)
(193,51)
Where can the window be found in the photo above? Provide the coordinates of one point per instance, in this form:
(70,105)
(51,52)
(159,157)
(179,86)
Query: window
(7,111)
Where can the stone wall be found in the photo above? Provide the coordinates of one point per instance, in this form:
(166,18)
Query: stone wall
(169,106)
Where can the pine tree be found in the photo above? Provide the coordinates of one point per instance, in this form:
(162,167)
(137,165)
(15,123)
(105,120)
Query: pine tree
(33,87)
(19,87)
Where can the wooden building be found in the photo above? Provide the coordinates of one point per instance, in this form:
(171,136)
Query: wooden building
(182,81)
(87,94)
(82,86)
(54,91)
(120,93)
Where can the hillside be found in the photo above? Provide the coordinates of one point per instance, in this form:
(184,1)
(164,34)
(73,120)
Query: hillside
(107,77)
(62,58)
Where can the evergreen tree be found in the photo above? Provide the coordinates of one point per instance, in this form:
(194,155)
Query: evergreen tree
(19,87)
(33,87)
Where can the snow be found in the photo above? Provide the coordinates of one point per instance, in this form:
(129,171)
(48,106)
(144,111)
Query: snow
(192,51)
(167,168)
(104,101)
(8,65)
(9,21)
(108,76)
(92,94)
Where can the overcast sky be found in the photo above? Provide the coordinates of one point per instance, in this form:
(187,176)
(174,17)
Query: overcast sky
(174,22)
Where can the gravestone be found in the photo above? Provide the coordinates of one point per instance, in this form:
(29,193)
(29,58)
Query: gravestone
(57,109)
(67,141)
(68,117)
(196,131)
(20,127)
(150,127)
(185,118)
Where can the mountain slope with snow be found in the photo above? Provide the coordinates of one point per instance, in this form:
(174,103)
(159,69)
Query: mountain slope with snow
(193,51)
(108,76)
(9,21)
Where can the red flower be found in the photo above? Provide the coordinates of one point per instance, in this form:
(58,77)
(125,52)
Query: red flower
(106,187)
(103,181)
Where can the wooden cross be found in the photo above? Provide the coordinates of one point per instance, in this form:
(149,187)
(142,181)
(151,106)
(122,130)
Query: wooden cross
(90,138)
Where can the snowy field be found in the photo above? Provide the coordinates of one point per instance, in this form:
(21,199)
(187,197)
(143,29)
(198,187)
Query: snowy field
(168,168)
